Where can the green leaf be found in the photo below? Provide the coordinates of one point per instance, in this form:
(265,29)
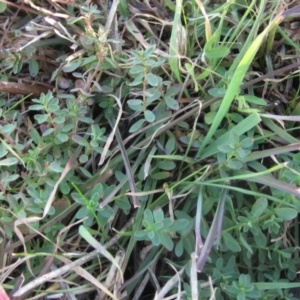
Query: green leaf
(246,142)
(78,198)
(230,242)
(41,118)
(67,127)
(166,165)
(85,119)
(55,167)
(98,188)
(136,69)
(154,238)
(59,120)
(286,213)
(209,117)
(242,153)
(9,161)
(80,140)
(276,285)
(236,80)
(149,51)
(165,240)
(234,164)
(179,248)
(245,244)
(89,220)
(33,67)
(180,224)
(259,207)
(85,172)
(148,216)
(136,126)
(152,95)
(83,158)
(72,66)
(124,204)
(82,212)
(241,296)
(253,99)
(173,90)
(134,102)
(217,92)
(136,105)
(171,103)
(225,149)
(149,116)
(141,235)
(17,66)
(35,136)
(167,223)
(62,137)
(260,239)
(8,128)
(3,6)
(170,146)
(160,175)
(152,79)
(217,52)
(158,215)
(48,131)
(137,80)
(3,151)
(54,108)
(36,107)
(234,138)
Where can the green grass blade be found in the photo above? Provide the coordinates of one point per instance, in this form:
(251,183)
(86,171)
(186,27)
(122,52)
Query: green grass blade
(236,81)
(244,126)
(276,285)
(279,131)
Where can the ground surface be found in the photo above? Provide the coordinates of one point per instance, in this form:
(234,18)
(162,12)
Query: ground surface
(149,149)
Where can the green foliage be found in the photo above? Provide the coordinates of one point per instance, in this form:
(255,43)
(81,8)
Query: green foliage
(159,229)
(242,289)
(90,210)
(158,136)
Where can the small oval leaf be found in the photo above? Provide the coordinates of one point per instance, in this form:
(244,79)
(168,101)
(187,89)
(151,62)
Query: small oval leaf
(136,126)
(149,116)
(171,103)
(286,213)
(230,242)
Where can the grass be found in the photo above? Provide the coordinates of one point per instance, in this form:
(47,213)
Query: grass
(149,151)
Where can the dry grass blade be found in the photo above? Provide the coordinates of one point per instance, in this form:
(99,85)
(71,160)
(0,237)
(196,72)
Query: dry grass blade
(113,280)
(112,134)
(129,173)
(273,182)
(70,164)
(100,249)
(46,12)
(194,277)
(51,198)
(169,285)
(214,232)
(208,31)
(70,266)
(111,15)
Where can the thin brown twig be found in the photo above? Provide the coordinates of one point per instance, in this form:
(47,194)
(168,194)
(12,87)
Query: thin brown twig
(23,89)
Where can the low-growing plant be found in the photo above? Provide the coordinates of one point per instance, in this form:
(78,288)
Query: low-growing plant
(157,166)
